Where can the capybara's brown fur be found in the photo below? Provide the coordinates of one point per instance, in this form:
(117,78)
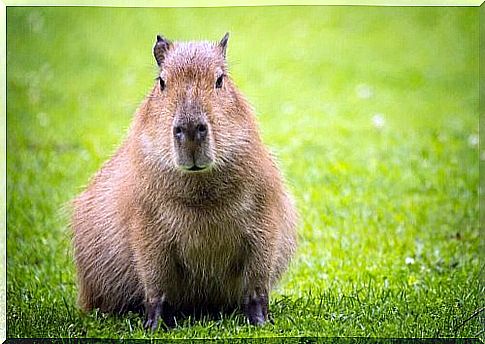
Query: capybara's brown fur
(190,212)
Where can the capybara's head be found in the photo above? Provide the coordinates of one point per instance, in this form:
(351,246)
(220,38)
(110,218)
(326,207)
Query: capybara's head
(196,119)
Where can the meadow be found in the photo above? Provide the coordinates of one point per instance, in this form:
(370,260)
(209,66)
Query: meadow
(371,111)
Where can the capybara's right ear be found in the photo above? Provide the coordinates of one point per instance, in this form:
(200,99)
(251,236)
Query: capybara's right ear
(223,43)
(161,47)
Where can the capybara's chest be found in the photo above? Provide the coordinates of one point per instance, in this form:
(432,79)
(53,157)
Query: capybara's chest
(213,242)
(212,250)
(211,261)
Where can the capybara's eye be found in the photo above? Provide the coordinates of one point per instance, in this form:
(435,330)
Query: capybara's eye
(162,83)
(219,81)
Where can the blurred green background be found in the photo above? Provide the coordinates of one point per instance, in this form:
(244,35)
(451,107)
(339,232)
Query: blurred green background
(371,111)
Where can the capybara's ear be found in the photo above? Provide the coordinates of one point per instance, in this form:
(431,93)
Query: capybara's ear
(223,43)
(161,47)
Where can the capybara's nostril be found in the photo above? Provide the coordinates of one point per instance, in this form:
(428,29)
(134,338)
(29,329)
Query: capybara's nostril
(201,131)
(178,132)
(202,128)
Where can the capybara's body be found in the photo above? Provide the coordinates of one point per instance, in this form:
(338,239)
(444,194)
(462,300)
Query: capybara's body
(190,212)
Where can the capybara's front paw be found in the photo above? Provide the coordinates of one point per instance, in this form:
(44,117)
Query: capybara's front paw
(153,311)
(255,308)
(156,310)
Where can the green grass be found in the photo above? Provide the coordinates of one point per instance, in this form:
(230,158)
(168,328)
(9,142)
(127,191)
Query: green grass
(372,112)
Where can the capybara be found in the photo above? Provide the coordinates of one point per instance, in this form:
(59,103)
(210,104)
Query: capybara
(191,212)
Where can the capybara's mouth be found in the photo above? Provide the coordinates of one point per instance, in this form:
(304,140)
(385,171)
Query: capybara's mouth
(196,168)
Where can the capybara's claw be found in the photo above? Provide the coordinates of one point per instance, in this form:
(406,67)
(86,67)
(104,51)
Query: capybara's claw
(153,311)
(256,309)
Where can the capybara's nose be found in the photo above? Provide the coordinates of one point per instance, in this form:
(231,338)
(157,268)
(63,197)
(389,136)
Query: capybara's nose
(194,131)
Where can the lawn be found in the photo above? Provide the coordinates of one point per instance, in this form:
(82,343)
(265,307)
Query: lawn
(371,111)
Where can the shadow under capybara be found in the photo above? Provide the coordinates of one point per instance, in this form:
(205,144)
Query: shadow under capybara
(191,211)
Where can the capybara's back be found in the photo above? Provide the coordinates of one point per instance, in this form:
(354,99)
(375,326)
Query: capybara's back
(190,214)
